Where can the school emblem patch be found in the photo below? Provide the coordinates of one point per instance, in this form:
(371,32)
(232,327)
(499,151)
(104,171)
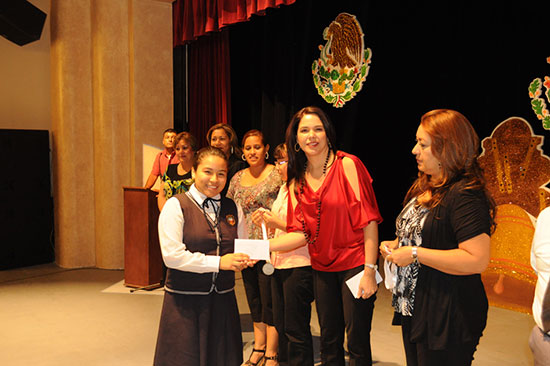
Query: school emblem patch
(231,220)
(344,62)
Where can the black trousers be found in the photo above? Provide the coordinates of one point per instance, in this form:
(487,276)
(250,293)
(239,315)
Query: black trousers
(418,354)
(292,293)
(258,293)
(339,310)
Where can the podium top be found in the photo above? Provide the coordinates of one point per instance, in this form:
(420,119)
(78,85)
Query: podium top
(139,189)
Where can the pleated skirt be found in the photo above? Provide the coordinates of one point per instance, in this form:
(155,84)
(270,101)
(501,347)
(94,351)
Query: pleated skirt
(199,330)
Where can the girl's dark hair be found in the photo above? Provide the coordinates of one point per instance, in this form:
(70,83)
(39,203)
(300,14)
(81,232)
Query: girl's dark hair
(231,134)
(456,145)
(206,152)
(297,159)
(190,139)
(280,151)
(253,133)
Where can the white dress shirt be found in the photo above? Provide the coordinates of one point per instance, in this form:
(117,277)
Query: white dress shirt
(174,250)
(298,257)
(540,260)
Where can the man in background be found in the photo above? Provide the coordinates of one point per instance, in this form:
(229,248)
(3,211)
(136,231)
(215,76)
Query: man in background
(163,158)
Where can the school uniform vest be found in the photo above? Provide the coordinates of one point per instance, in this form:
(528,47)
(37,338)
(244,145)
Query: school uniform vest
(198,236)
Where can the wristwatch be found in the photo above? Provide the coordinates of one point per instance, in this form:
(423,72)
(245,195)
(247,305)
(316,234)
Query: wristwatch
(415,254)
(374,267)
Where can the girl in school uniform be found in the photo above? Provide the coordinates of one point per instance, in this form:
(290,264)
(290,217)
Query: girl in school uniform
(200,324)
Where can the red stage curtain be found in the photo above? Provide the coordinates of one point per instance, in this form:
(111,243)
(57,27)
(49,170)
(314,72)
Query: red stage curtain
(209,84)
(194,18)
(209,92)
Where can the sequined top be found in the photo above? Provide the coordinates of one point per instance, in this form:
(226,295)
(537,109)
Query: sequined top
(409,232)
(250,198)
(174,183)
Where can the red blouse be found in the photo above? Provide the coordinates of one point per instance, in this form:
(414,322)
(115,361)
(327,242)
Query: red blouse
(340,244)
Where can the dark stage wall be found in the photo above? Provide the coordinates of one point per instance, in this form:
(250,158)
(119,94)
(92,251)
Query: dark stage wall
(475,57)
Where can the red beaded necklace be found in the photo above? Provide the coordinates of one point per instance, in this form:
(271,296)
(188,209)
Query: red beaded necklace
(309,239)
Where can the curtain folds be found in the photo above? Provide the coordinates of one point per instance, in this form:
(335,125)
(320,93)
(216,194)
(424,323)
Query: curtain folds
(209,84)
(208,72)
(195,18)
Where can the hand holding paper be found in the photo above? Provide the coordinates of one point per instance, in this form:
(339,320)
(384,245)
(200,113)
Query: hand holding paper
(256,249)
(353,283)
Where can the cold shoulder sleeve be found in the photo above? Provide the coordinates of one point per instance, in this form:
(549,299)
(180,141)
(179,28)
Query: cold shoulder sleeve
(365,210)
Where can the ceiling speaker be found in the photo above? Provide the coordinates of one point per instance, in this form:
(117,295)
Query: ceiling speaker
(20,21)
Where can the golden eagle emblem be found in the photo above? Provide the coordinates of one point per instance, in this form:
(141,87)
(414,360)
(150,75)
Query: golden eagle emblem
(344,63)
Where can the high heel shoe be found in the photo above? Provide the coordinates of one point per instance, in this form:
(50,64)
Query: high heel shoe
(270,358)
(257,363)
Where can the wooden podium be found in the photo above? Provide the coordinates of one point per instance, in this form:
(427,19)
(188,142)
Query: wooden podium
(143,265)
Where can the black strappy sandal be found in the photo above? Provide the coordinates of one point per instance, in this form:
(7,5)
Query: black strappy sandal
(270,358)
(250,363)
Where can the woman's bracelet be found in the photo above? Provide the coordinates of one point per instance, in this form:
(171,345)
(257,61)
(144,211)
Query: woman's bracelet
(415,254)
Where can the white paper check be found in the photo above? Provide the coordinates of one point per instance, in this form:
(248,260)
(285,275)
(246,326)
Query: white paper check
(353,283)
(256,249)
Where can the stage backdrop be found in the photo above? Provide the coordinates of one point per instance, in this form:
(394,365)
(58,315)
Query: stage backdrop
(476,57)
(488,60)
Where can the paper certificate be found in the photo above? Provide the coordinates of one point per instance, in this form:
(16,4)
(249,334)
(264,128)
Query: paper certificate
(256,249)
(353,283)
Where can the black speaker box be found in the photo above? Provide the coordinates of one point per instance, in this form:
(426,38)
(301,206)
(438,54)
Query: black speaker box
(20,21)
(26,204)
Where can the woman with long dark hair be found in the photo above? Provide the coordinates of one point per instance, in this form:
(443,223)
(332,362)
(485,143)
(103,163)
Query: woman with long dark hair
(333,210)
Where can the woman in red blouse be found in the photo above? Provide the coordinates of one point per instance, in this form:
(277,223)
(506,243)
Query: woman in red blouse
(333,210)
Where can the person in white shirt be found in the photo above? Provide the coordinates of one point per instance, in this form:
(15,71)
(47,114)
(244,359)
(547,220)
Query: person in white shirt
(539,341)
(292,282)
(200,322)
